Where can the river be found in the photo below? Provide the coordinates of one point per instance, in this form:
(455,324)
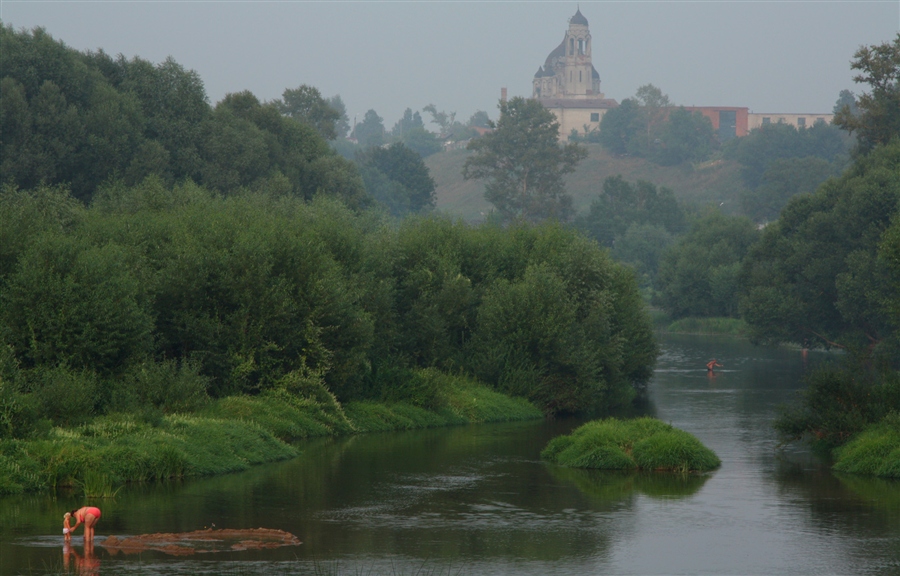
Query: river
(478,499)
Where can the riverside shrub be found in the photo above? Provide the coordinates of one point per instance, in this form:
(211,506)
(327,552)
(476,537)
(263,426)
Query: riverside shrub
(642,443)
(873,452)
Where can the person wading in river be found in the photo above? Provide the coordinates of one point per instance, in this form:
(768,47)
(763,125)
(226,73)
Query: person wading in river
(711,365)
(89,515)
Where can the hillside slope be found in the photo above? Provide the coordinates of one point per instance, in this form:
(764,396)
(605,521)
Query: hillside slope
(712,182)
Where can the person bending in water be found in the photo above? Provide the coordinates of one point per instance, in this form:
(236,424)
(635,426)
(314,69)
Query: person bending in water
(89,515)
(711,365)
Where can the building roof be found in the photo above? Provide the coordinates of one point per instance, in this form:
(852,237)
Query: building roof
(578,18)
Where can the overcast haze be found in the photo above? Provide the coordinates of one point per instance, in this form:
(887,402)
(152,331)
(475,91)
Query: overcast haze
(767,56)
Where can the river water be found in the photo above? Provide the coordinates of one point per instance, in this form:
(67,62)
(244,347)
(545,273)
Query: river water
(478,499)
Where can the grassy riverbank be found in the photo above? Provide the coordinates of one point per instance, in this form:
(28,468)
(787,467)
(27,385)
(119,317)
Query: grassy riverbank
(662,322)
(641,444)
(230,435)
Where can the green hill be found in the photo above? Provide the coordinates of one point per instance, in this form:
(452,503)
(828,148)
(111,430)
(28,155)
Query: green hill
(716,181)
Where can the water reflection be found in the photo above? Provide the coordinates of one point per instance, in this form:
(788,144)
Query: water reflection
(611,487)
(85,563)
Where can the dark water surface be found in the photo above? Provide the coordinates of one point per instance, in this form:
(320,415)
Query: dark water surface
(478,500)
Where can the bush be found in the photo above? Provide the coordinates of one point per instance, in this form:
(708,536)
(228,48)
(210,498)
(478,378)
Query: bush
(838,402)
(169,386)
(642,443)
(873,452)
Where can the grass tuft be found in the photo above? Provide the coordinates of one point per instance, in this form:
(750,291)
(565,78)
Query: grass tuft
(641,443)
(873,452)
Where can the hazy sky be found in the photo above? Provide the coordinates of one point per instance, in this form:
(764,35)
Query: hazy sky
(770,56)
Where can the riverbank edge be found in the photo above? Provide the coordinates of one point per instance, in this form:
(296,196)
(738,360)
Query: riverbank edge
(229,435)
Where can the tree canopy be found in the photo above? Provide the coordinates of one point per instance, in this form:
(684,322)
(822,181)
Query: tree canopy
(815,275)
(524,163)
(876,119)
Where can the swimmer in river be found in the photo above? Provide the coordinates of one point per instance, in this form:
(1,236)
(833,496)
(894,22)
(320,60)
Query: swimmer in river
(89,515)
(711,365)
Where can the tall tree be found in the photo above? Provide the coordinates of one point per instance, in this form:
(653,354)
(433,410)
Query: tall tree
(370,132)
(409,121)
(878,120)
(815,275)
(524,163)
(306,104)
(342,124)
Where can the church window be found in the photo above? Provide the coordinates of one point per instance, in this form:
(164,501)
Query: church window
(581,46)
(579,75)
(571,46)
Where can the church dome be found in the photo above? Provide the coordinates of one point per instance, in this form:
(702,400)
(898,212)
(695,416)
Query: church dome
(578,18)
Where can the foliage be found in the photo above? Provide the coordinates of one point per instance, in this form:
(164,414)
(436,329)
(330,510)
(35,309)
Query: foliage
(170,295)
(524,164)
(638,221)
(409,121)
(761,149)
(650,127)
(837,403)
(370,132)
(306,104)
(873,452)
(342,124)
(400,179)
(698,275)
(82,119)
(232,434)
(621,127)
(877,118)
(685,137)
(815,274)
(781,181)
(642,443)
(729,326)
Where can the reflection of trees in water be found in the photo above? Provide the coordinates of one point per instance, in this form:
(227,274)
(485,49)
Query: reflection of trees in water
(867,508)
(607,488)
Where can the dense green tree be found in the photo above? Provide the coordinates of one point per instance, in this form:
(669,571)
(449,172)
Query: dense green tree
(74,304)
(524,163)
(782,180)
(370,132)
(409,188)
(409,121)
(621,126)
(82,119)
(622,204)
(422,142)
(479,119)
(770,143)
(815,276)
(342,124)
(641,246)
(699,274)
(685,137)
(655,106)
(306,104)
(878,117)
(846,98)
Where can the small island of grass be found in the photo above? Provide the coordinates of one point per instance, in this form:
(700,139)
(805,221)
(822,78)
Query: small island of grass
(642,444)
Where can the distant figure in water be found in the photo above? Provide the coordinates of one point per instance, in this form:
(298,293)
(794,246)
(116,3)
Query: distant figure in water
(89,515)
(711,365)
(67,527)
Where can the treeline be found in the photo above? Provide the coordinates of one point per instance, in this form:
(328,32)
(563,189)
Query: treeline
(163,296)
(86,119)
